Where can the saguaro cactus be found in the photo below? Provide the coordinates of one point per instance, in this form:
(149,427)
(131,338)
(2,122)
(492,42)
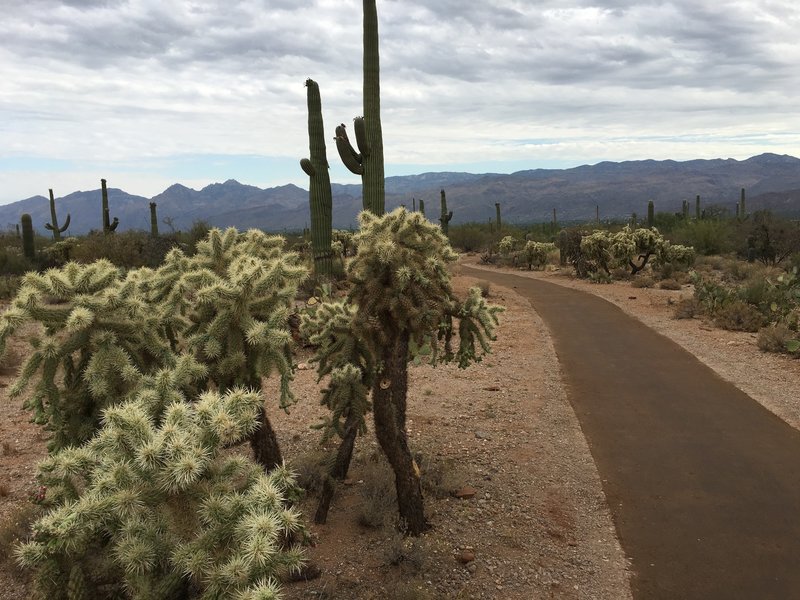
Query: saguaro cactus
(369,136)
(108,225)
(445,217)
(28,243)
(651,214)
(57,231)
(422,206)
(153,220)
(320,197)
(497,217)
(697,214)
(742,206)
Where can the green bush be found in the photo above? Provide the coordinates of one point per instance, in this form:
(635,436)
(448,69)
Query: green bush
(706,236)
(470,237)
(128,249)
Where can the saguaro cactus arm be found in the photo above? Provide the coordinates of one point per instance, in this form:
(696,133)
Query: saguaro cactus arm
(351,159)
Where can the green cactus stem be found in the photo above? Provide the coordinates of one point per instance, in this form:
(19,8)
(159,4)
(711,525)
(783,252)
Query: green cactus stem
(738,211)
(742,206)
(413,204)
(497,217)
(28,243)
(597,214)
(153,220)
(368,162)
(445,217)
(697,214)
(422,206)
(562,247)
(57,231)
(320,196)
(651,214)
(108,225)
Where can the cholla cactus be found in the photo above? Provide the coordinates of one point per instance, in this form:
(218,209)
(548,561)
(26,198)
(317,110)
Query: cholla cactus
(97,338)
(632,248)
(157,507)
(230,303)
(506,245)
(401,286)
(535,253)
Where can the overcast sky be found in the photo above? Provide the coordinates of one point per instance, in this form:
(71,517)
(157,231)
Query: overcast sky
(147,93)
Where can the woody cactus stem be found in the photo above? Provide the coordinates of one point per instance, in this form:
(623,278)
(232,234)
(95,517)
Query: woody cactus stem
(319,195)
(651,214)
(28,244)
(445,217)
(153,220)
(369,136)
(57,231)
(108,225)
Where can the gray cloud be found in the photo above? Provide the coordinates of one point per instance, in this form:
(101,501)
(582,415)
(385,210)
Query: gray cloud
(462,80)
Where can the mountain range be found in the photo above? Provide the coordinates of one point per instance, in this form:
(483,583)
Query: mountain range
(616,189)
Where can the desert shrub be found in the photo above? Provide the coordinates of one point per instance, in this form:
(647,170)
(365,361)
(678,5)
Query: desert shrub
(669,284)
(485,287)
(771,239)
(706,236)
(128,249)
(378,499)
(600,277)
(470,237)
(738,316)
(152,507)
(688,308)
(773,338)
(643,281)
(14,262)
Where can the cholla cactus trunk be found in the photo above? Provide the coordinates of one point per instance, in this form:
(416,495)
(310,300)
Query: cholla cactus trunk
(320,196)
(28,243)
(53,226)
(497,213)
(651,214)
(445,217)
(697,214)
(374,192)
(153,220)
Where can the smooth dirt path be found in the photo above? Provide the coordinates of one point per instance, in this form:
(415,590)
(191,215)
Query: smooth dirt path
(702,481)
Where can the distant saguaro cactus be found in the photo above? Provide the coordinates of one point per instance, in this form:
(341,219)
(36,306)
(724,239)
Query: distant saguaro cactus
(369,136)
(57,231)
(153,220)
(320,196)
(697,214)
(497,217)
(651,214)
(742,206)
(445,217)
(422,206)
(108,225)
(28,243)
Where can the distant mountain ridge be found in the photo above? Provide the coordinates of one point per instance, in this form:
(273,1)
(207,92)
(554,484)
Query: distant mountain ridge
(617,188)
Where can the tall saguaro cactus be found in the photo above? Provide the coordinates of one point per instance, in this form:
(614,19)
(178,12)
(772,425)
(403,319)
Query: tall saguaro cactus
(28,243)
(742,206)
(651,214)
(445,217)
(368,162)
(108,225)
(320,197)
(422,206)
(153,220)
(497,213)
(57,231)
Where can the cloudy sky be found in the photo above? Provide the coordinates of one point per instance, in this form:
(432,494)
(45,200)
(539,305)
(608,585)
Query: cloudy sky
(147,93)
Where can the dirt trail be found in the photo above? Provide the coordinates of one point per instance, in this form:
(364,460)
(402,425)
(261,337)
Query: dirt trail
(702,481)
